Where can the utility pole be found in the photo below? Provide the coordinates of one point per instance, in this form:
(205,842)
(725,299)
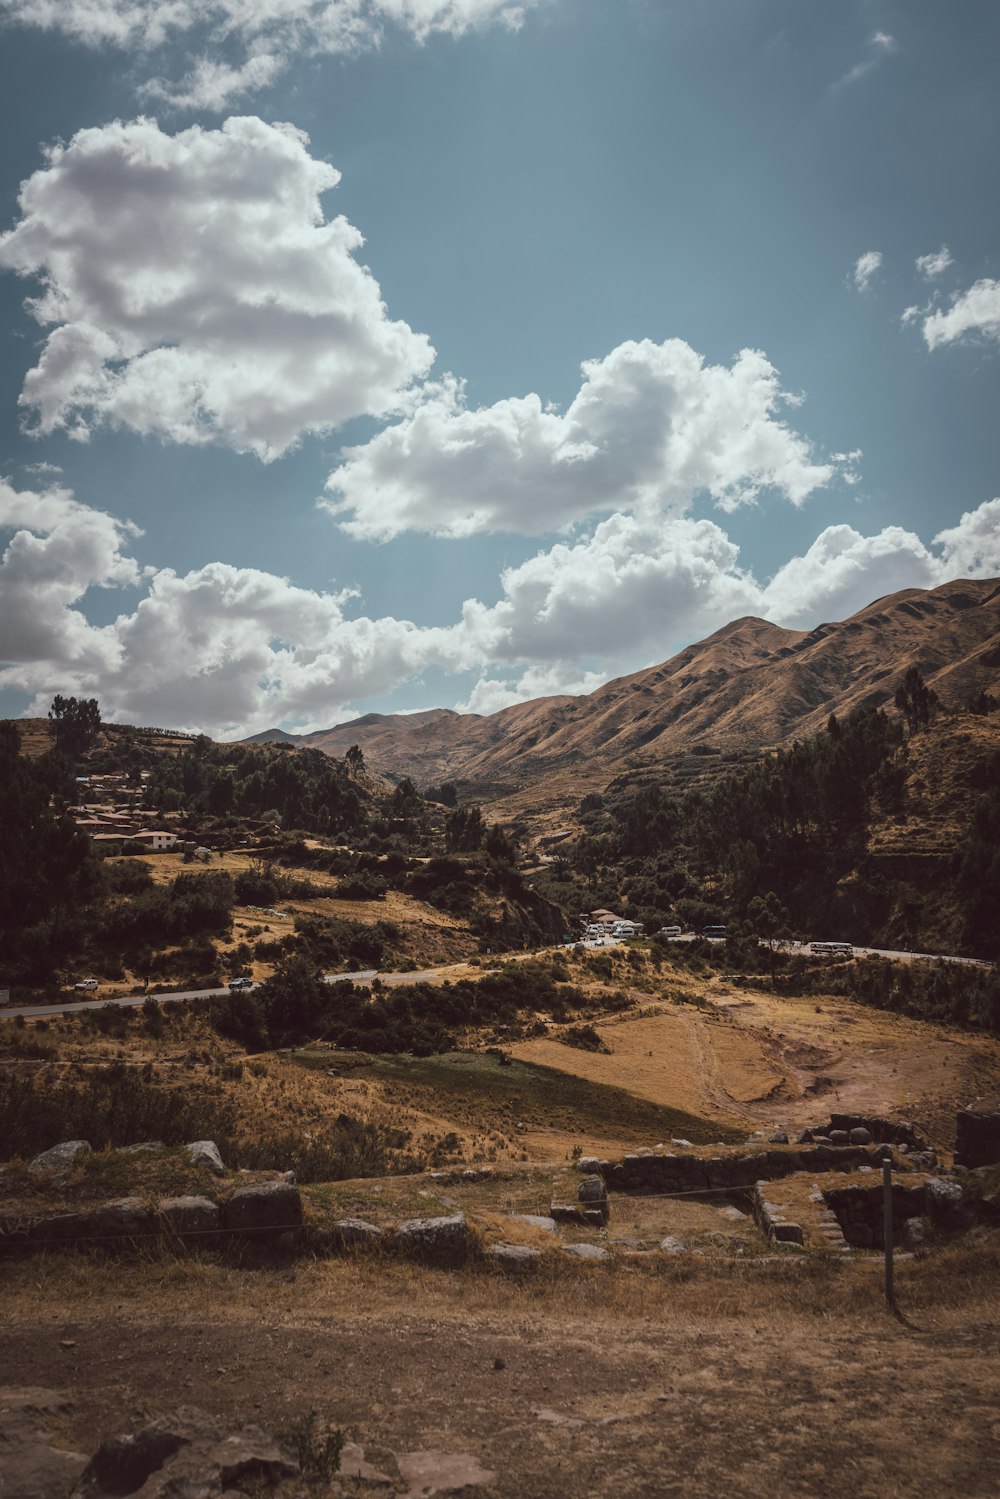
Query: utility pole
(890,1294)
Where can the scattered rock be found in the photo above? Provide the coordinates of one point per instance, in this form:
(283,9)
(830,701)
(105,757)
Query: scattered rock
(185,1456)
(30,1466)
(354,1467)
(915,1234)
(839,1137)
(859,1135)
(592,1189)
(205,1153)
(60,1160)
(144,1147)
(947,1204)
(672,1245)
(274,1207)
(436,1241)
(189,1217)
(804,1137)
(513,1256)
(778,1138)
(586,1251)
(351,1233)
(440,1472)
(536,1220)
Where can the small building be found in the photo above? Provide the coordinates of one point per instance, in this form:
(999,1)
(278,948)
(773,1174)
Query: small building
(156,839)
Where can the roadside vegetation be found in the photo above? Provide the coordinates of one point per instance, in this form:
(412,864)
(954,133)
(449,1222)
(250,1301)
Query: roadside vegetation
(790,844)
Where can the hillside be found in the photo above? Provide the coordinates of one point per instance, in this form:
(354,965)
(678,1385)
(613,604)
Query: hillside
(752,685)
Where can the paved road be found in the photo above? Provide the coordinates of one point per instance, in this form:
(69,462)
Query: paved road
(360,976)
(432,975)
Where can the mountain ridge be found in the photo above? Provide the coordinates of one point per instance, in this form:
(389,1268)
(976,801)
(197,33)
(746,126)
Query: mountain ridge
(749,686)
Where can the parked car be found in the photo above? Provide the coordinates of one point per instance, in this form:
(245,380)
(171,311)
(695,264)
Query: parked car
(669,931)
(241,983)
(86,984)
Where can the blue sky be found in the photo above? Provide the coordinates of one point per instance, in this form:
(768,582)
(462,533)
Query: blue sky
(664,313)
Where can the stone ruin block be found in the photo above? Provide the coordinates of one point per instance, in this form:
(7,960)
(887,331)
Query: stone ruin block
(977,1141)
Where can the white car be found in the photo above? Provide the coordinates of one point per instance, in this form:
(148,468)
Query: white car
(86,984)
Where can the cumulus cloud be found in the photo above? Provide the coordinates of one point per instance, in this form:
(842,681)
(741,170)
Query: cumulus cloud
(232,650)
(651,427)
(972,548)
(865,268)
(195,290)
(59,550)
(490,694)
(265,35)
(930,266)
(972,313)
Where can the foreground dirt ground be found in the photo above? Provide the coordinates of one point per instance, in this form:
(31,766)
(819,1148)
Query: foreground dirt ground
(784,1379)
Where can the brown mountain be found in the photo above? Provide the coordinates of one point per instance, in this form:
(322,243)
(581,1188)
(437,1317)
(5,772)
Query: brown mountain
(750,686)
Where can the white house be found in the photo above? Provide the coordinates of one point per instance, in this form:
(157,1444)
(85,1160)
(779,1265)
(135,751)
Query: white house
(156,839)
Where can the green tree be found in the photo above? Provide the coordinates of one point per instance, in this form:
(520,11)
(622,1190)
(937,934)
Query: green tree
(915,700)
(76,723)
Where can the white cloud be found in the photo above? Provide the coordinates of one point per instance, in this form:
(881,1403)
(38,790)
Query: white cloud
(972,548)
(59,549)
(843,570)
(211,83)
(651,427)
(490,694)
(617,595)
(930,266)
(880,46)
(865,268)
(196,292)
(972,312)
(267,34)
(232,650)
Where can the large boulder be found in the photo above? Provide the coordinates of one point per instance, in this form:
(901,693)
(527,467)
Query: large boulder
(355,1233)
(189,1218)
(977,1141)
(60,1160)
(186,1455)
(435,1241)
(948,1205)
(127,1219)
(593,1198)
(205,1153)
(31,1467)
(513,1256)
(263,1209)
(60,1228)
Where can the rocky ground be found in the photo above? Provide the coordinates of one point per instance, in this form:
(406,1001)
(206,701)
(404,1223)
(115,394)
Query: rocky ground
(789,1381)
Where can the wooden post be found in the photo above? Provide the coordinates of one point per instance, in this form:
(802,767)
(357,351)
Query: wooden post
(890,1294)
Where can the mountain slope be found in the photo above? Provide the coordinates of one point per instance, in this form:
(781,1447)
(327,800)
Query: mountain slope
(749,686)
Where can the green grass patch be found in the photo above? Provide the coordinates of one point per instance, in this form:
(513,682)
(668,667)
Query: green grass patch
(466,1083)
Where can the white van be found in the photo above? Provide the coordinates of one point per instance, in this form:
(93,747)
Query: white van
(669,931)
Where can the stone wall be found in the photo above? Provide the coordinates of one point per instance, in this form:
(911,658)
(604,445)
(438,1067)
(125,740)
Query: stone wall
(662,1171)
(859,1211)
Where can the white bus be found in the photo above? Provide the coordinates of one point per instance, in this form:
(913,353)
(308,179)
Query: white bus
(842,947)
